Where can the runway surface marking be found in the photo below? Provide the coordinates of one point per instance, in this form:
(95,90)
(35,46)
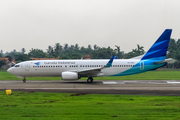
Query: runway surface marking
(141,82)
(173,82)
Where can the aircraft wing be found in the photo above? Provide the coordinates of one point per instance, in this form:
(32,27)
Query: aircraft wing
(94,71)
(90,72)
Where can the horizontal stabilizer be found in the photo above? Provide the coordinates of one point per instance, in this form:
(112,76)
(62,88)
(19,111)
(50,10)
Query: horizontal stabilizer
(164,61)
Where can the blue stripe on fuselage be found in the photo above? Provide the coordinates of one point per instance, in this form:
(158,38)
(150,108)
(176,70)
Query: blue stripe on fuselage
(148,65)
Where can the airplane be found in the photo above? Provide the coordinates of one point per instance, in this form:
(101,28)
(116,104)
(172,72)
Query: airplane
(75,69)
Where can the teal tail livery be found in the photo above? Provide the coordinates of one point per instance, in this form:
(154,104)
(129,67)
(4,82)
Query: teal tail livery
(154,58)
(70,70)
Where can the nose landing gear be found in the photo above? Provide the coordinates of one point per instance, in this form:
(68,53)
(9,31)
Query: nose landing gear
(90,80)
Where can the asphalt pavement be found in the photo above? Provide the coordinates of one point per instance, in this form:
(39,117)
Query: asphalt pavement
(124,87)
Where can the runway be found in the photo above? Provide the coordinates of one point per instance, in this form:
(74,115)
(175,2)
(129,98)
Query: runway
(126,87)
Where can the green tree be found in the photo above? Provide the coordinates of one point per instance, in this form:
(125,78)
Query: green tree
(129,55)
(103,53)
(50,51)
(135,52)
(21,57)
(174,49)
(71,55)
(57,50)
(23,50)
(96,47)
(2,62)
(140,49)
(176,55)
(89,47)
(72,47)
(66,46)
(172,45)
(85,51)
(117,50)
(1,55)
(76,46)
(37,53)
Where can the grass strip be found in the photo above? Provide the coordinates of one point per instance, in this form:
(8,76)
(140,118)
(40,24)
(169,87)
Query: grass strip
(69,106)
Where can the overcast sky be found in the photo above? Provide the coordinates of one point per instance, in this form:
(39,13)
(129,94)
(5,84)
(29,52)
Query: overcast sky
(126,23)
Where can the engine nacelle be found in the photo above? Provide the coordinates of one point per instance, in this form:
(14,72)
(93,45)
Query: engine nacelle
(69,76)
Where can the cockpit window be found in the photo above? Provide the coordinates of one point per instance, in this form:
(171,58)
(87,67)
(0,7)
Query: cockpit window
(17,65)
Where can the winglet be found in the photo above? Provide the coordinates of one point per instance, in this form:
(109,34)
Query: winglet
(115,57)
(110,62)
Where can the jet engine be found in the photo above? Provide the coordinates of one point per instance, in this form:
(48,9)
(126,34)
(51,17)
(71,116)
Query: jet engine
(69,76)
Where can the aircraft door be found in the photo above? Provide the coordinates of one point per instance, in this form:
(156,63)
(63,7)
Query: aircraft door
(142,65)
(27,67)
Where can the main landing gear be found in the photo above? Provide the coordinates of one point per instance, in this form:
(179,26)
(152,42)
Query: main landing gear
(24,80)
(90,80)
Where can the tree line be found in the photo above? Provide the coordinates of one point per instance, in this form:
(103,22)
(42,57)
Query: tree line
(67,51)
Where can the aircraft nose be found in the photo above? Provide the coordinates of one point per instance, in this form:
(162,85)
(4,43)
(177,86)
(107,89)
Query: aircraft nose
(10,70)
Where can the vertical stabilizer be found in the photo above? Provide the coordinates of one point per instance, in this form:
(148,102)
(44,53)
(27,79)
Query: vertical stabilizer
(159,49)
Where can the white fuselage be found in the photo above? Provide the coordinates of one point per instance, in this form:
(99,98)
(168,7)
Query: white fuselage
(54,68)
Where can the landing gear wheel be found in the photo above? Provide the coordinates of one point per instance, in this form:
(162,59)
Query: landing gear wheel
(24,80)
(90,80)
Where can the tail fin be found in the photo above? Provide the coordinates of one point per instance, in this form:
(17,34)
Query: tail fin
(159,49)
